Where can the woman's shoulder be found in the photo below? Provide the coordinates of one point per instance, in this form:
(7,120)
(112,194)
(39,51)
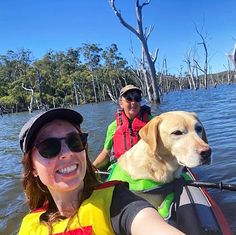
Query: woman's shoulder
(124,208)
(123,195)
(31,222)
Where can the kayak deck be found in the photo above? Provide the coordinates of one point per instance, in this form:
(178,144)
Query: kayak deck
(198,214)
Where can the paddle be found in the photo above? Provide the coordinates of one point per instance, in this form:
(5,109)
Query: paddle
(102,172)
(220,185)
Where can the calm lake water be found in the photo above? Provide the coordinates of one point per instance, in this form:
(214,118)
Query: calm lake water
(216,107)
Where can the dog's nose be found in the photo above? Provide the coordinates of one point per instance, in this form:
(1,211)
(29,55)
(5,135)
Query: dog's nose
(205,153)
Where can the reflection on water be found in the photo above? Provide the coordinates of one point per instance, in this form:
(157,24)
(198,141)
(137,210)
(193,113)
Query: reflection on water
(215,107)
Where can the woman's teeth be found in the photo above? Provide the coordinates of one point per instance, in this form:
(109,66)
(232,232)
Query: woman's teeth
(68,169)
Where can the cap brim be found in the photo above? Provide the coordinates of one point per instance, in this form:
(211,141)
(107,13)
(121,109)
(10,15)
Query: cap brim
(59,113)
(131,89)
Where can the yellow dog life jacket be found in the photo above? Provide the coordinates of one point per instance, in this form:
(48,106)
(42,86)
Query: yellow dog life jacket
(93,217)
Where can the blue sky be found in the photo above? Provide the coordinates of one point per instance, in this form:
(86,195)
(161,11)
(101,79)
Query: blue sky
(62,24)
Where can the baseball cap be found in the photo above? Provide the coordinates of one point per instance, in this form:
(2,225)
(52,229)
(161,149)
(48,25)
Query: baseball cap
(129,88)
(31,128)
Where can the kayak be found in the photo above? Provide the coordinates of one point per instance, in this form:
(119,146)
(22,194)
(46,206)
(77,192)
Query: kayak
(196,213)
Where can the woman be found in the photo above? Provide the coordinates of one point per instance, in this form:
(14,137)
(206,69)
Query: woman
(63,193)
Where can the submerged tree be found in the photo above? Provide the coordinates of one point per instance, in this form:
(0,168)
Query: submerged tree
(190,61)
(143,36)
(203,68)
(31,90)
(232,56)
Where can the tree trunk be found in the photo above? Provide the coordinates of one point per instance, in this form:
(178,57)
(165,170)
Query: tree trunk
(143,38)
(232,56)
(205,69)
(76,93)
(94,89)
(30,107)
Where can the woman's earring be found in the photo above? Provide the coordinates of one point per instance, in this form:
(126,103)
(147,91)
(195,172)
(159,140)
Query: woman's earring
(35,173)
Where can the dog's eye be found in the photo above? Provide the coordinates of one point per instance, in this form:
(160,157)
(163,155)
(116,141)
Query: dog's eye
(198,129)
(178,132)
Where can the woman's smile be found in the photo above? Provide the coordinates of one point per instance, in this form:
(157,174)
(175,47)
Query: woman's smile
(68,170)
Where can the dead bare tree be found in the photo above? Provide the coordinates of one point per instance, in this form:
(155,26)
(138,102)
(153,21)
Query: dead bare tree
(213,80)
(229,73)
(140,33)
(111,94)
(191,70)
(203,69)
(232,56)
(75,85)
(142,73)
(30,107)
(181,79)
(163,77)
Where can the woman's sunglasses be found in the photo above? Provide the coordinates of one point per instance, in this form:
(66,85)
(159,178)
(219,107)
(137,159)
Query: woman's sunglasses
(134,96)
(51,147)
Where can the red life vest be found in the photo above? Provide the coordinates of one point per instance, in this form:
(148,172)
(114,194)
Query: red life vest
(126,134)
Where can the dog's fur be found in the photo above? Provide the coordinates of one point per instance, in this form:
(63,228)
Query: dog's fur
(168,142)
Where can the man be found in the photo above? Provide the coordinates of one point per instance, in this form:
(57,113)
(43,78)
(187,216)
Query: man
(122,133)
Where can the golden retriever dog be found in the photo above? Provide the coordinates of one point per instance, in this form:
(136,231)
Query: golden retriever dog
(168,142)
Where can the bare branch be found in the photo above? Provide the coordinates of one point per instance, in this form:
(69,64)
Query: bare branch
(204,43)
(113,98)
(122,21)
(155,55)
(198,66)
(30,107)
(148,31)
(139,19)
(27,89)
(145,3)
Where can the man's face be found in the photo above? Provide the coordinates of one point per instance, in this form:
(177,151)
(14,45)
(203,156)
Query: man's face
(130,103)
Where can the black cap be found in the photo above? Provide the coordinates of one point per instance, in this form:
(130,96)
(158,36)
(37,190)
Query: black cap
(32,127)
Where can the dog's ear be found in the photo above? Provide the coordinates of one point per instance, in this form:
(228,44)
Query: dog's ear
(194,115)
(149,133)
(204,136)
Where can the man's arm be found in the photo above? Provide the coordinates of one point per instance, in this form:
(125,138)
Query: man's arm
(102,159)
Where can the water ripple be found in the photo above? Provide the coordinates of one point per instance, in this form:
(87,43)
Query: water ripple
(216,107)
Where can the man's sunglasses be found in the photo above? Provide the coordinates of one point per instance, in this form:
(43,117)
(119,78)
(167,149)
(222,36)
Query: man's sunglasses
(51,147)
(130,97)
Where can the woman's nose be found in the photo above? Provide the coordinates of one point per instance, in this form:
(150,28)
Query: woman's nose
(65,150)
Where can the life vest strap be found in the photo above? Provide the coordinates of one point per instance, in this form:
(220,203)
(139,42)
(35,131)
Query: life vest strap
(168,187)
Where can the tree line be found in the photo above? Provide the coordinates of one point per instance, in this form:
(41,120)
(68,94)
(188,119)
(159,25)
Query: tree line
(75,76)
(79,75)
